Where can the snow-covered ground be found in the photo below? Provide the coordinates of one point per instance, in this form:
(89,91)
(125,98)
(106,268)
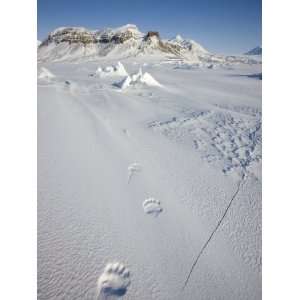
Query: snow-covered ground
(149,191)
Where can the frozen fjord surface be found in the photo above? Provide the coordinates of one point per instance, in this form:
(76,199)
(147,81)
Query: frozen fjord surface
(182,136)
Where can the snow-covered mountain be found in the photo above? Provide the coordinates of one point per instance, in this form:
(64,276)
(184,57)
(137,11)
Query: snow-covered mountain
(38,43)
(255,51)
(69,43)
(81,44)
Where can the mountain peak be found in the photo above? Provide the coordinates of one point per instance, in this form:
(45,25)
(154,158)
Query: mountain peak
(151,35)
(255,51)
(127,27)
(179,38)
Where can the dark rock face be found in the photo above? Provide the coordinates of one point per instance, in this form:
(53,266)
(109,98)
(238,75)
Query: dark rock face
(151,34)
(74,35)
(71,36)
(163,46)
(104,38)
(173,48)
(120,38)
(80,35)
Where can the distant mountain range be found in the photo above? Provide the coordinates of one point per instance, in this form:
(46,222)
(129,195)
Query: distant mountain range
(255,51)
(77,43)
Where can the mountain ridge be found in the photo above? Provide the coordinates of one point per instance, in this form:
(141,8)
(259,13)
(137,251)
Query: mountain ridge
(80,43)
(126,40)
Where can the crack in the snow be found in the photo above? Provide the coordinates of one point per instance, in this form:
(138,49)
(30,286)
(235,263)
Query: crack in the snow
(213,232)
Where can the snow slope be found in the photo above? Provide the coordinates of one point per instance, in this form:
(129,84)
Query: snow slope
(132,183)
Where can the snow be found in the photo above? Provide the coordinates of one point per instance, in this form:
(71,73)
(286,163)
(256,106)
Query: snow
(130,27)
(115,70)
(138,78)
(179,38)
(194,47)
(152,207)
(62,28)
(58,49)
(149,80)
(133,184)
(125,83)
(45,74)
(121,69)
(114,281)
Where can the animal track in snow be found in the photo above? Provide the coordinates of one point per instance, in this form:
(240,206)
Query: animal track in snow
(113,282)
(132,169)
(229,138)
(241,109)
(152,207)
(126,132)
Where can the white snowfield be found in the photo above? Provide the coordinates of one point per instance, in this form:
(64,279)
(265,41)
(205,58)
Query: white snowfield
(149,192)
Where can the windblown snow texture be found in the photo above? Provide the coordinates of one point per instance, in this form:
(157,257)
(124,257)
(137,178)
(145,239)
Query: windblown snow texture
(149,173)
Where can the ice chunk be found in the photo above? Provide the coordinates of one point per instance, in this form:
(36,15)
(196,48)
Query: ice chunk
(124,83)
(45,74)
(116,70)
(149,80)
(120,69)
(109,69)
(137,76)
(99,70)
